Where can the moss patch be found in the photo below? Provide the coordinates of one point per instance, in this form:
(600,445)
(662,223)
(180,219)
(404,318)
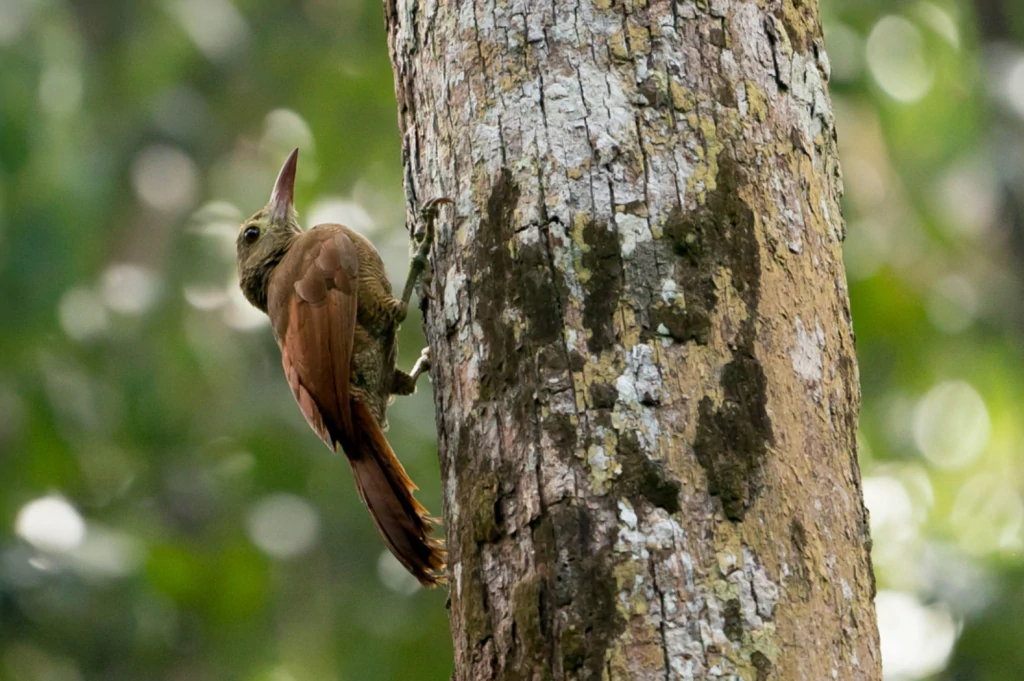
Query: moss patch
(483,502)
(581,584)
(563,433)
(574,648)
(603,395)
(719,234)
(643,478)
(527,597)
(762,665)
(799,560)
(801,21)
(534,286)
(684,325)
(733,627)
(732,440)
(491,273)
(601,258)
(473,598)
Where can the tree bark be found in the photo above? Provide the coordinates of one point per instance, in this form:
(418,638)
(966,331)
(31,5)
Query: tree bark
(644,368)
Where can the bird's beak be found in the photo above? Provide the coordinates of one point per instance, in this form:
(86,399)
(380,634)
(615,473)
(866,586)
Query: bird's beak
(284,189)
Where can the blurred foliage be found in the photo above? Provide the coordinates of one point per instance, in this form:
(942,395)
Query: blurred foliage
(221,539)
(165,512)
(929,100)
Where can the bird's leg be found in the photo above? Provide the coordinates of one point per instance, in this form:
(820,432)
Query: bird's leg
(421,257)
(405,383)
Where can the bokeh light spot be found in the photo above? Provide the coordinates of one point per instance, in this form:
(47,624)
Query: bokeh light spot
(916,639)
(239,313)
(216,27)
(205,297)
(81,314)
(165,178)
(892,518)
(284,130)
(940,21)
(219,221)
(128,288)
(988,515)
(394,576)
(952,304)
(951,424)
(968,196)
(26,662)
(845,50)
(14,15)
(342,211)
(283,525)
(50,524)
(897,59)
(107,554)
(1013,84)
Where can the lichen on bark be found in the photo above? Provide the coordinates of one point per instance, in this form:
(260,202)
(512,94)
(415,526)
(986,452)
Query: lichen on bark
(643,362)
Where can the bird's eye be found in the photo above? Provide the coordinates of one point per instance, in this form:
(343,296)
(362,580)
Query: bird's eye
(251,234)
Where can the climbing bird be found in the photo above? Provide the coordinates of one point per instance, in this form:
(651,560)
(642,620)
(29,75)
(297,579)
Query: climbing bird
(334,318)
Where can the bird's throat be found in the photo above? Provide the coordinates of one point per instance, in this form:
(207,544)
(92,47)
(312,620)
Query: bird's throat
(254,277)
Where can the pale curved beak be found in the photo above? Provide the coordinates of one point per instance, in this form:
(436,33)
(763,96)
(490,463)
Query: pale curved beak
(283,196)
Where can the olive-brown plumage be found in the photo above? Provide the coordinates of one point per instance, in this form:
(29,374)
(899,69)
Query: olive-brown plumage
(334,317)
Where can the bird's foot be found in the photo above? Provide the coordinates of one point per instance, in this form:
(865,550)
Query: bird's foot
(422,364)
(405,383)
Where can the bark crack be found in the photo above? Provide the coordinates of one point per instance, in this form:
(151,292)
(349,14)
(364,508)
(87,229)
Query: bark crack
(663,625)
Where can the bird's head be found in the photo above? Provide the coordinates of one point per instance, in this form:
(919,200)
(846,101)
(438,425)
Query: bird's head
(264,238)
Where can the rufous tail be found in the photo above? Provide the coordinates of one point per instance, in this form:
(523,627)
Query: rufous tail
(387,491)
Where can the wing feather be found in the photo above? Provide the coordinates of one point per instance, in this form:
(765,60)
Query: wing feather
(314,320)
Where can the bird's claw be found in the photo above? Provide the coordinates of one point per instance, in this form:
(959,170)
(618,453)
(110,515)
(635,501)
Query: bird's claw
(429,212)
(430,208)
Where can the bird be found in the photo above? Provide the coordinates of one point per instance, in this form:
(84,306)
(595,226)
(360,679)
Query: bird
(335,319)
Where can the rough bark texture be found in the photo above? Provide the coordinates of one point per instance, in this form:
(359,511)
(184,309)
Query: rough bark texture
(644,368)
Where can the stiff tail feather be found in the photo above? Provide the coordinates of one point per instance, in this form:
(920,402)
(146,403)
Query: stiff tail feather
(387,491)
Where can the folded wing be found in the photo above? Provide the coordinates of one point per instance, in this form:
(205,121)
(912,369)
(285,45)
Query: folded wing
(314,321)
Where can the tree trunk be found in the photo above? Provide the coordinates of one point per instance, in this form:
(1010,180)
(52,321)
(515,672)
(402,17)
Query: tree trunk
(644,368)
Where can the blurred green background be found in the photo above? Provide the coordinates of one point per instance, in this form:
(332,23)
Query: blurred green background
(166,514)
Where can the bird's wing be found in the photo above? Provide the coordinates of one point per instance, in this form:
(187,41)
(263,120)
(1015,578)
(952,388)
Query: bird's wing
(313,310)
